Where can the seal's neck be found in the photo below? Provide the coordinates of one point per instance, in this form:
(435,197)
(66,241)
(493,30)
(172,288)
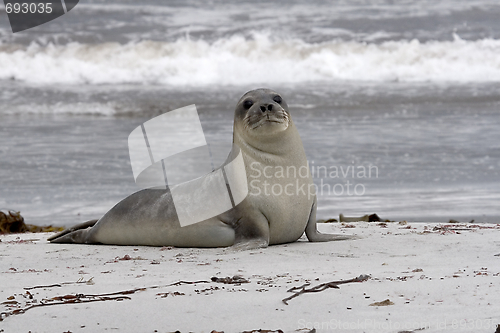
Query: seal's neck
(285,145)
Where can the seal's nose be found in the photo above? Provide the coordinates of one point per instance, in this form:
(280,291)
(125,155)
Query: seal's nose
(265,107)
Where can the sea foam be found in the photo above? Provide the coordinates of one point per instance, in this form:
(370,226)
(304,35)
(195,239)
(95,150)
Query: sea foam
(238,60)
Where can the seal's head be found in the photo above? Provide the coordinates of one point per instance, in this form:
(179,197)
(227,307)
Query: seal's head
(262,112)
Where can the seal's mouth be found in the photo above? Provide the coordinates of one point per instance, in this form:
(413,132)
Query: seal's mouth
(256,121)
(270,121)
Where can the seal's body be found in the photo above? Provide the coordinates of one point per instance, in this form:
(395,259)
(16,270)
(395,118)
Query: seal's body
(280,206)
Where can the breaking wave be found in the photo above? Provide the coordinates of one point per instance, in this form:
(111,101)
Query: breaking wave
(237,60)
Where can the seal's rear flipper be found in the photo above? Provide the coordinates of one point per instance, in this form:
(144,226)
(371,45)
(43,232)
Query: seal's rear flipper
(74,234)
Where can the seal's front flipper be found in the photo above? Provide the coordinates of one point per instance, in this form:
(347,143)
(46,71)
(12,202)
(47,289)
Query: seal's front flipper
(74,234)
(249,245)
(314,235)
(251,231)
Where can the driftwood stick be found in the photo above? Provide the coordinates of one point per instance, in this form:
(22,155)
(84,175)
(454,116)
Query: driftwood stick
(178,283)
(333,284)
(301,287)
(446,228)
(81,280)
(47,286)
(125,292)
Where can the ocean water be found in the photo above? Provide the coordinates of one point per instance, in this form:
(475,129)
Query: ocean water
(397,102)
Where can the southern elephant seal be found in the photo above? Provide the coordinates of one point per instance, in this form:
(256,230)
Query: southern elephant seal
(279,207)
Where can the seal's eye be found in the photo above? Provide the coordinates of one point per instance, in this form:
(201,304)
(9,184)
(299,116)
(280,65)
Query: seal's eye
(278,99)
(247,104)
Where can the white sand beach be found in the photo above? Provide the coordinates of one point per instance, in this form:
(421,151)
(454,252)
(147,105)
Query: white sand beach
(436,278)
